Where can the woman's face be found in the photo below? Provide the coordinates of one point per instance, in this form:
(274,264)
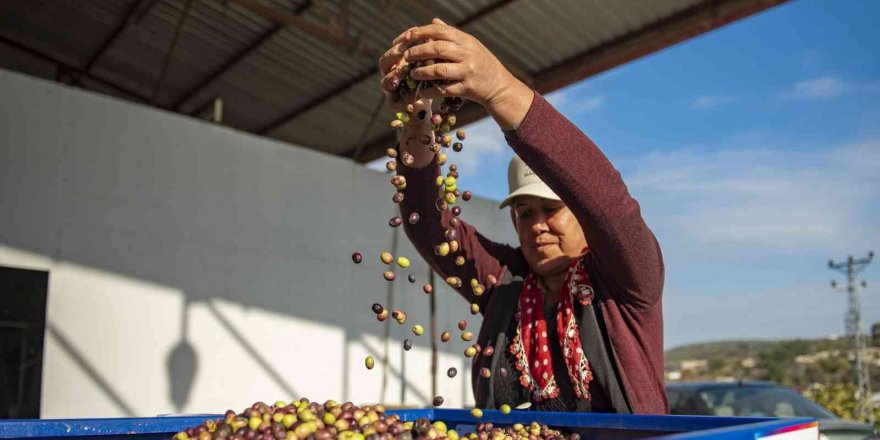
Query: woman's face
(549,233)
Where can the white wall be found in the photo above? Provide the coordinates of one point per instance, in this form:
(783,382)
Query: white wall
(194,268)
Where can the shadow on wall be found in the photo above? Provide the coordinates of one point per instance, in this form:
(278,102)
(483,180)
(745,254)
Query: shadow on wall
(213,213)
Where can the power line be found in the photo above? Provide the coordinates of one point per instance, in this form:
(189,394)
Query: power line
(851,268)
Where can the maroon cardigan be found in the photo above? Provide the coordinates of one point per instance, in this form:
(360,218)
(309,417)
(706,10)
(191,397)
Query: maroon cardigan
(625,258)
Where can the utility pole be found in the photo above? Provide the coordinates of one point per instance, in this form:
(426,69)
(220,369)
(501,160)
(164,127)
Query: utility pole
(851,268)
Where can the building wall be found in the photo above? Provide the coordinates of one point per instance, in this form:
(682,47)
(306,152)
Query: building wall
(194,268)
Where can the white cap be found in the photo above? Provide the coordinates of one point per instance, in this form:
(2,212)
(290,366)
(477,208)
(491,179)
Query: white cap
(522,181)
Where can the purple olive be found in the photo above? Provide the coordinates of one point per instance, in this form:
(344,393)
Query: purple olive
(357,258)
(395,222)
(377,308)
(413,218)
(456,211)
(411,278)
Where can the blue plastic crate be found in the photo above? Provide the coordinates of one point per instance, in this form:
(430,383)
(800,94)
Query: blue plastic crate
(589,426)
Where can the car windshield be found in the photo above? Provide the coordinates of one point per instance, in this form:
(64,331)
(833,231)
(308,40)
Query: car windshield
(750,402)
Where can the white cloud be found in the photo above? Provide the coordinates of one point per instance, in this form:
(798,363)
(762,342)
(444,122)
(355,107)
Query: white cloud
(785,200)
(571,101)
(558,98)
(590,104)
(818,88)
(806,310)
(484,141)
(711,101)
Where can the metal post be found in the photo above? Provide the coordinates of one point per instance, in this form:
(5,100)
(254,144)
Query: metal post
(851,268)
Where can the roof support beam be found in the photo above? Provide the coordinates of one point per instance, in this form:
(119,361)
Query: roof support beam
(696,20)
(137,11)
(76,72)
(687,24)
(235,59)
(284,119)
(334,33)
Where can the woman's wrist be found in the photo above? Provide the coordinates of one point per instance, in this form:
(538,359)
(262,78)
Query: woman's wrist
(510,106)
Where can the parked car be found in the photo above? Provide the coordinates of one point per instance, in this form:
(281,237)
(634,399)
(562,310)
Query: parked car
(760,399)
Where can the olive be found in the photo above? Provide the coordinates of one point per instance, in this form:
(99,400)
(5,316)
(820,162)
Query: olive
(467,336)
(451,234)
(459,261)
(456,211)
(445,336)
(383,315)
(428,289)
(475,308)
(458,146)
(442,249)
(411,278)
(466,196)
(438,400)
(413,218)
(386,257)
(418,330)
(453,246)
(491,280)
(407,344)
(462,325)
(370,362)
(407,159)
(454,222)
(377,308)
(389,275)
(454,281)
(502,372)
(451,372)
(395,222)
(460,135)
(488,351)
(485,372)
(357,258)
(391,152)
(391,165)
(397,197)
(477,413)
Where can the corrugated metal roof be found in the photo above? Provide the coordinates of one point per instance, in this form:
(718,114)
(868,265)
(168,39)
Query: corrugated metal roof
(285,82)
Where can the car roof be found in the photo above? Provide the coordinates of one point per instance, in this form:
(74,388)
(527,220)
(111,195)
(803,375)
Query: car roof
(720,385)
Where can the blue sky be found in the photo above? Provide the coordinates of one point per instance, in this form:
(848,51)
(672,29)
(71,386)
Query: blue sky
(754,151)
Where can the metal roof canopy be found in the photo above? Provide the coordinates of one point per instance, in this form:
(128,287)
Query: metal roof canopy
(305,71)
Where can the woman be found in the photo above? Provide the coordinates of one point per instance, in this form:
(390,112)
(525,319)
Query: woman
(575,316)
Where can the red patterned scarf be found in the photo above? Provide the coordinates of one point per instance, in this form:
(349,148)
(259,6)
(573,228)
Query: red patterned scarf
(530,345)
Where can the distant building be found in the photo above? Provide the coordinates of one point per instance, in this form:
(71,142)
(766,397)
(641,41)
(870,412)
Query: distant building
(694,364)
(749,362)
(875,334)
